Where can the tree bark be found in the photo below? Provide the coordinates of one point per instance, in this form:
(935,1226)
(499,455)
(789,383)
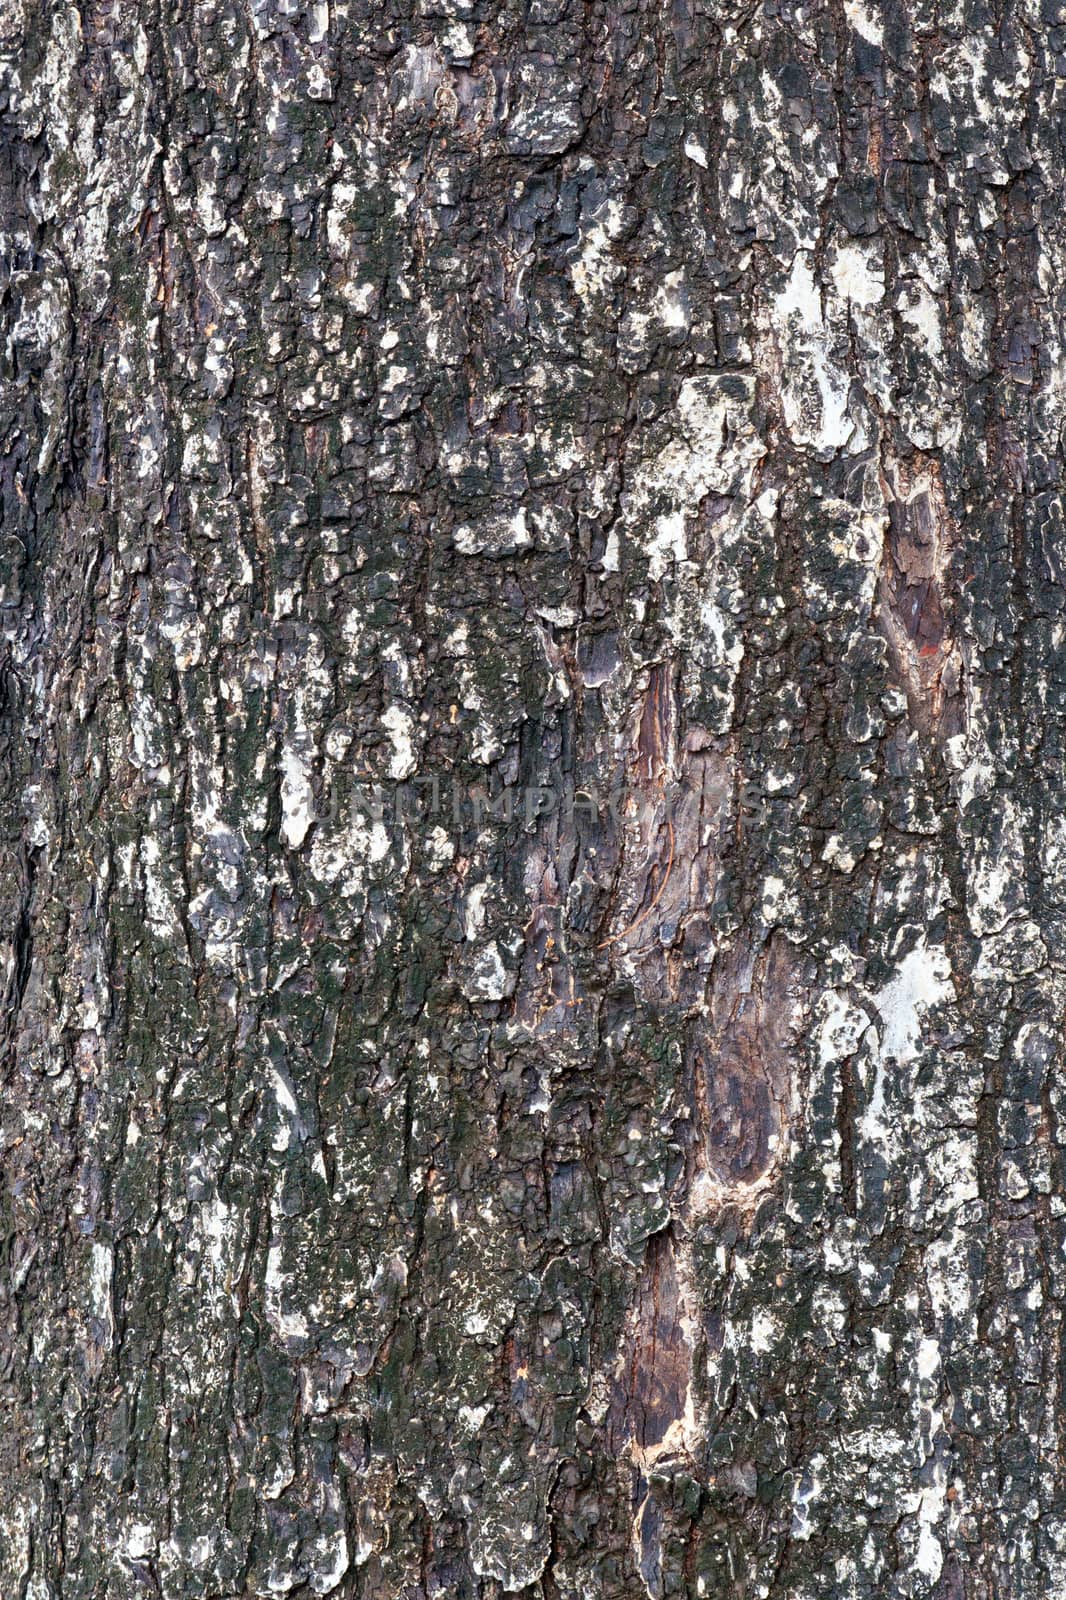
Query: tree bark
(533,816)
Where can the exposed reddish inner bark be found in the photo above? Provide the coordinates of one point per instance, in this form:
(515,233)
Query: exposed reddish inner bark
(652,1387)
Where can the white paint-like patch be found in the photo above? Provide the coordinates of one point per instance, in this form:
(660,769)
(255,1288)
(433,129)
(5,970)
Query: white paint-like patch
(297,808)
(459,40)
(214,1220)
(927,1360)
(458,641)
(946,1272)
(399,725)
(159,907)
(140,1540)
(439,849)
(814,388)
(498,534)
(779,902)
(201,1549)
(867,26)
(331,1561)
(471,1418)
(840,1028)
(668,544)
(713,624)
(474,912)
(802,296)
(858,276)
(595,268)
(763,1333)
(361,297)
(922,980)
(489,978)
(670,303)
(715,449)
(100,1286)
(288,1109)
(289,1324)
(929,1557)
(917,306)
(804,1495)
(839,854)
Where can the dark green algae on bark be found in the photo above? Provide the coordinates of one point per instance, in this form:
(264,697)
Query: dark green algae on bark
(657,1189)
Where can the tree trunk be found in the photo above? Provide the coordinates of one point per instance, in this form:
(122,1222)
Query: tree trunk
(533,812)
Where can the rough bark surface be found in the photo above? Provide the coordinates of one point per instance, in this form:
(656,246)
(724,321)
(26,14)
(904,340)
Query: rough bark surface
(654,410)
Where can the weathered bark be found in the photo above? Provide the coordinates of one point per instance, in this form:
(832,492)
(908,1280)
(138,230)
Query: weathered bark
(651,416)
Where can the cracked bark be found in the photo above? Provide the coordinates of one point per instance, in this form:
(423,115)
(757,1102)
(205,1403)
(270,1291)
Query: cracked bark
(650,415)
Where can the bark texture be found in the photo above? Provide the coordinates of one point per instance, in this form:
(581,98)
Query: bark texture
(653,409)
